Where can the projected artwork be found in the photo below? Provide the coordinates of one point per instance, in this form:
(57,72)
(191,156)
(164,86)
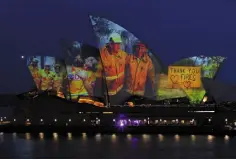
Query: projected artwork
(191,87)
(34,65)
(165,92)
(82,66)
(48,73)
(184,77)
(54,76)
(128,63)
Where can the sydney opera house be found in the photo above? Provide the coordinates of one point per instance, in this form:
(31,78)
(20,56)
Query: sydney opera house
(122,77)
(121,67)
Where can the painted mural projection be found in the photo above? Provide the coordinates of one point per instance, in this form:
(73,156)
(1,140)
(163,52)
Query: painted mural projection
(48,73)
(54,76)
(209,67)
(184,77)
(128,64)
(83,71)
(34,65)
(166,92)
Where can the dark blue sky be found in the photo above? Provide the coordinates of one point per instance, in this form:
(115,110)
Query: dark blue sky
(172,29)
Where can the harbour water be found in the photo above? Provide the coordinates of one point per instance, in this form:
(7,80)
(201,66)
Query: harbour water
(116,146)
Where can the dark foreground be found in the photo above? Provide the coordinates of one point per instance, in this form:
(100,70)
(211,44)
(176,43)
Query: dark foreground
(115,146)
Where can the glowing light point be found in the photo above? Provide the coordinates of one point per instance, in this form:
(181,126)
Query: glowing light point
(226,137)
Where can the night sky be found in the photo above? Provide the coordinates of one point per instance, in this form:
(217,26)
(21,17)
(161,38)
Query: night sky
(173,29)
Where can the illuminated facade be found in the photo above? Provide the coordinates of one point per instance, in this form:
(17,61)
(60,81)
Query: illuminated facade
(121,67)
(190,73)
(144,73)
(74,78)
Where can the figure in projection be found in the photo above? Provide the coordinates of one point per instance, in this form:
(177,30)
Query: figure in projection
(46,77)
(35,70)
(82,77)
(115,44)
(139,68)
(90,67)
(113,61)
(58,78)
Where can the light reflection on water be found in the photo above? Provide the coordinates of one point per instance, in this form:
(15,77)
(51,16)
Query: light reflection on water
(69,136)
(177,138)
(27,136)
(115,146)
(98,137)
(129,137)
(193,138)
(146,137)
(55,136)
(161,137)
(210,138)
(41,136)
(226,137)
(84,136)
(113,138)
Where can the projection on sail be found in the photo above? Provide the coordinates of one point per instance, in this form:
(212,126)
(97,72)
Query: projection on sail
(130,67)
(49,73)
(195,91)
(84,73)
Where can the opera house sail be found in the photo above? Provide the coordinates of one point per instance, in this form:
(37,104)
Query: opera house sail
(130,68)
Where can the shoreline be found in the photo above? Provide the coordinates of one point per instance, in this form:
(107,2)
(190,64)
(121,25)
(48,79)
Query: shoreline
(92,130)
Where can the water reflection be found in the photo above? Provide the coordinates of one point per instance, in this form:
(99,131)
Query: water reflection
(129,146)
(98,137)
(177,138)
(84,136)
(210,138)
(1,138)
(160,137)
(146,137)
(27,136)
(226,138)
(41,136)
(113,137)
(129,137)
(55,136)
(69,136)
(193,138)
(14,135)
